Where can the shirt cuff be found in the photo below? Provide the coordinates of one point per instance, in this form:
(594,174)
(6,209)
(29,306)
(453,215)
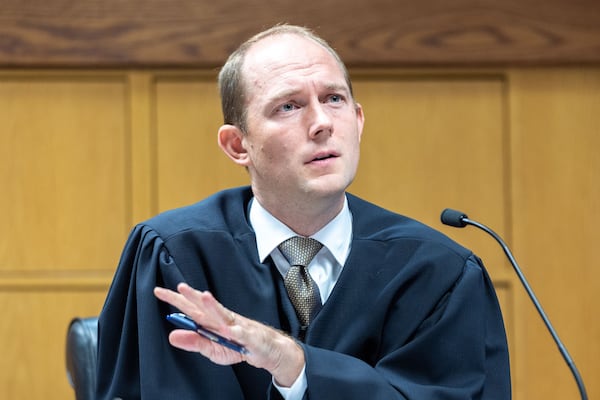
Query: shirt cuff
(296,391)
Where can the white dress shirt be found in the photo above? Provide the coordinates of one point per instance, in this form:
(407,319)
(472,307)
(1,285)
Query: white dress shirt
(325,268)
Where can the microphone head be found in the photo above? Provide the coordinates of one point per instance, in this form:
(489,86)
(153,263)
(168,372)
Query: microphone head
(453,218)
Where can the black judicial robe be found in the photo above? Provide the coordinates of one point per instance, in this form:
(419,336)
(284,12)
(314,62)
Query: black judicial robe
(412,316)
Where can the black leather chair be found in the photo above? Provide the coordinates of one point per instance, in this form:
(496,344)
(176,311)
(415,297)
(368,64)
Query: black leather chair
(81,352)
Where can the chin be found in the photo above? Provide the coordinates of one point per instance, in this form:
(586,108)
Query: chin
(327,188)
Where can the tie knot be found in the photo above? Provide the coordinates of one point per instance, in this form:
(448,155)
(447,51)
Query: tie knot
(299,250)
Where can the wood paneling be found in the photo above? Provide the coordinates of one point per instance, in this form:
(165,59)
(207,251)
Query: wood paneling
(436,141)
(65,175)
(85,154)
(191,33)
(556,200)
(189,163)
(33,331)
(64,162)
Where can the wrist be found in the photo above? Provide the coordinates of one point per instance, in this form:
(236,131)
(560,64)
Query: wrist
(291,362)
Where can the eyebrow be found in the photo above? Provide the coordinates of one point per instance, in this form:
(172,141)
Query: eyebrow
(335,87)
(338,87)
(282,95)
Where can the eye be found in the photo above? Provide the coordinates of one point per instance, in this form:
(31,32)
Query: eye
(287,107)
(335,98)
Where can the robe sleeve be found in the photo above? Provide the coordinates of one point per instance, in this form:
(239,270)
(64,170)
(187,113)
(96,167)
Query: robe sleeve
(135,359)
(459,352)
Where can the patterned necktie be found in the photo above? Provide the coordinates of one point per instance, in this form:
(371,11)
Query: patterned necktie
(301,288)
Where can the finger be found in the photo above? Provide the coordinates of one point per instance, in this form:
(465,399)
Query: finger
(193,295)
(200,306)
(218,314)
(198,310)
(175,299)
(217,353)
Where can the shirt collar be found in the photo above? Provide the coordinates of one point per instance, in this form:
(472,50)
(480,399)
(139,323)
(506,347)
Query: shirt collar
(270,232)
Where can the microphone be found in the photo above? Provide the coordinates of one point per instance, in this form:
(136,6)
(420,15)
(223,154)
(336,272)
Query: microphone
(454,218)
(459,219)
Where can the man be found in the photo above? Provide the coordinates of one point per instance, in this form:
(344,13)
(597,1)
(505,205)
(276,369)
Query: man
(403,312)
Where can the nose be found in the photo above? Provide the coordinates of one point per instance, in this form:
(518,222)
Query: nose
(321,121)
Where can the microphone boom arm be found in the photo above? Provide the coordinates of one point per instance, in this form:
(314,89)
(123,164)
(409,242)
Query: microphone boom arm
(563,351)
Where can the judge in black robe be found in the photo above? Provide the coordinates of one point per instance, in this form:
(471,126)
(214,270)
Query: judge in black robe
(412,316)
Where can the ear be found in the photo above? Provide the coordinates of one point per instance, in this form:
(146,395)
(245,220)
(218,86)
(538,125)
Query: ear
(230,139)
(360,120)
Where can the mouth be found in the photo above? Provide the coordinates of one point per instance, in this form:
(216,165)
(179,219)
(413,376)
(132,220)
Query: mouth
(324,156)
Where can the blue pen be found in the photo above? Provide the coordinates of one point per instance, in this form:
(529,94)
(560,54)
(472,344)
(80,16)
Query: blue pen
(183,321)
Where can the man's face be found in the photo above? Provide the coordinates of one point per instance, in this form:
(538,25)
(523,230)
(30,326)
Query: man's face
(303,127)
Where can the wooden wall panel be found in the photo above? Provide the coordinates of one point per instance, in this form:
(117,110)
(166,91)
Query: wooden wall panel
(436,141)
(555,121)
(85,154)
(34,328)
(64,151)
(189,163)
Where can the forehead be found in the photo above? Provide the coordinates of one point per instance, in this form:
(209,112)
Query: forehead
(283,57)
